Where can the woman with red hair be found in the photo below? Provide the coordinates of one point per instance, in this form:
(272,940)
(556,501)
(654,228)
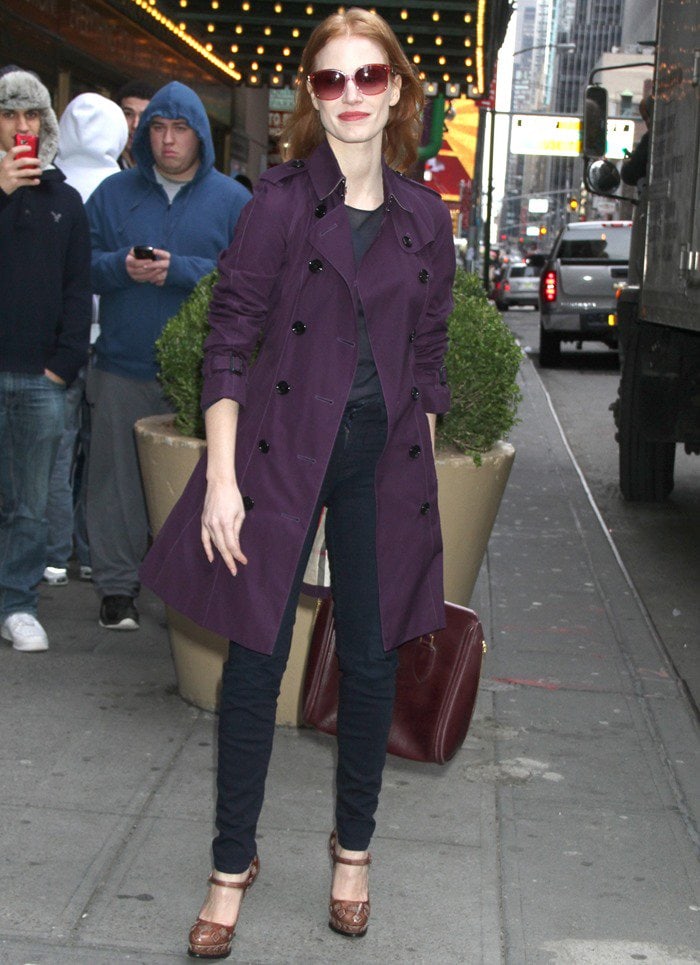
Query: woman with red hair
(340,275)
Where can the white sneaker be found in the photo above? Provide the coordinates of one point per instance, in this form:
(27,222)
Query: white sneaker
(85,572)
(25,633)
(55,575)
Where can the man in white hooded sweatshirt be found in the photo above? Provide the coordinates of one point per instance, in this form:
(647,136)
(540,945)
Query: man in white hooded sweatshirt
(92,133)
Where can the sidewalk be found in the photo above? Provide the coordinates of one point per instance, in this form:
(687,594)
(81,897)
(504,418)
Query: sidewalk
(565,831)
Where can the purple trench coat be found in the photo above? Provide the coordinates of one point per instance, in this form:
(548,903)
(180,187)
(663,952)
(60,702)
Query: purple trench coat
(290,274)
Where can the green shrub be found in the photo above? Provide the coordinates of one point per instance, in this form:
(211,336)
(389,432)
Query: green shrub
(179,353)
(482,368)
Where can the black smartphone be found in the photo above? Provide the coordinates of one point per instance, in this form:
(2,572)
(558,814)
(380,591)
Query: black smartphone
(144,252)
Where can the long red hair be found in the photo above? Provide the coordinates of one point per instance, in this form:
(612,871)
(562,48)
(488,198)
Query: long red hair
(303,132)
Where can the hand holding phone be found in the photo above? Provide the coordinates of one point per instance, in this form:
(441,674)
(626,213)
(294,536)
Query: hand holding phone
(147,264)
(20,167)
(144,252)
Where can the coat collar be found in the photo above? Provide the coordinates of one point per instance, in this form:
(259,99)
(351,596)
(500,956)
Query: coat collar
(412,220)
(328,180)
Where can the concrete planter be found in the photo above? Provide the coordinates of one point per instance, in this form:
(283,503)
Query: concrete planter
(469,497)
(469,500)
(167,461)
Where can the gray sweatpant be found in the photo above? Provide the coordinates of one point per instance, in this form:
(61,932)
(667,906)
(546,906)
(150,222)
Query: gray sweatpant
(116,507)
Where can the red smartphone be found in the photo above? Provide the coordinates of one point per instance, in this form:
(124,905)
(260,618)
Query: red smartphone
(31,144)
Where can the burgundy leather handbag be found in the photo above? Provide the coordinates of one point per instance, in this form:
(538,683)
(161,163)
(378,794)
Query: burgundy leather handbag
(436,685)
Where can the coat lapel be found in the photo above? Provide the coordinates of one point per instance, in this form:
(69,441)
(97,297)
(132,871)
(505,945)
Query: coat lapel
(330,236)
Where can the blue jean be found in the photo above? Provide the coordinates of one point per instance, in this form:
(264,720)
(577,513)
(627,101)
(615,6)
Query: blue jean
(65,521)
(251,681)
(32,417)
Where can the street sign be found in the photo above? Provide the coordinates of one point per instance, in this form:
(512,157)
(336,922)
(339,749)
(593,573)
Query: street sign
(560,135)
(538,205)
(620,135)
(545,134)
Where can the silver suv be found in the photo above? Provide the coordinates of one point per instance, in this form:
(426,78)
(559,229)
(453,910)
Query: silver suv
(519,286)
(578,285)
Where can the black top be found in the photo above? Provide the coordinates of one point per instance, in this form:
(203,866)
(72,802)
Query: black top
(46,303)
(366,385)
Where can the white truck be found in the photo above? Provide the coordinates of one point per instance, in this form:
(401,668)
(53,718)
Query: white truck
(659,310)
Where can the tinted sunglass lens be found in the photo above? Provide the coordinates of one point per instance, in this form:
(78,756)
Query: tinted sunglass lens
(328,84)
(372,78)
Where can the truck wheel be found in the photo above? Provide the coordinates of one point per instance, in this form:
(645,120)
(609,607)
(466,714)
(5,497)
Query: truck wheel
(646,468)
(550,348)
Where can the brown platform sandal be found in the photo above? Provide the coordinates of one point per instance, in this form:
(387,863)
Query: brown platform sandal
(349,918)
(207,938)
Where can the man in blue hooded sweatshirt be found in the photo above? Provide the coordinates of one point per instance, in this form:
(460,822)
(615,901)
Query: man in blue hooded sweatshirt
(174,202)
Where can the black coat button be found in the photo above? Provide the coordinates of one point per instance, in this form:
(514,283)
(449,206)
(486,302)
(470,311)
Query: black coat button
(414,452)
(320,210)
(412,336)
(297,164)
(298,328)
(424,510)
(264,445)
(315,265)
(282,387)
(423,275)
(407,241)
(249,502)
(415,393)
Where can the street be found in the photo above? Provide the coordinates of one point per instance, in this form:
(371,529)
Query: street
(659,543)
(563,831)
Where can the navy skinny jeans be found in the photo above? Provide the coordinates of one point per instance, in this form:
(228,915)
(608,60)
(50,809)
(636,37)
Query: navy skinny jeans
(251,681)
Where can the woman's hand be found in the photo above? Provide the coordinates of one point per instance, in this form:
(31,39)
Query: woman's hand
(222,519)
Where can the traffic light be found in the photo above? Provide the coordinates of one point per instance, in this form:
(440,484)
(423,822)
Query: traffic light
(543,229)
(573,203)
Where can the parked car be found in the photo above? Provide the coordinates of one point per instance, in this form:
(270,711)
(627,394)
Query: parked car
(578,284)
(520,285)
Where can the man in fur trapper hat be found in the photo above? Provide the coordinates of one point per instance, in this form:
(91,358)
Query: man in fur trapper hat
(45,298)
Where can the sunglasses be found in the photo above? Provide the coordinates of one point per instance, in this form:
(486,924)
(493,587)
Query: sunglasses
(329,85)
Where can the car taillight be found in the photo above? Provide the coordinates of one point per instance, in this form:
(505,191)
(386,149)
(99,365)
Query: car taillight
(548,286)
(506,287)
